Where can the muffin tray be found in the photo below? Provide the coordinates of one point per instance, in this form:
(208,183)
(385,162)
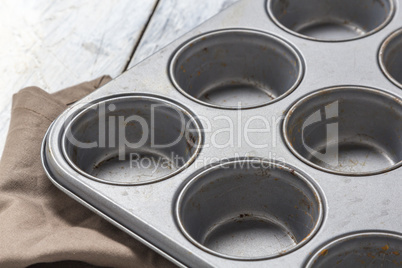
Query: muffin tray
(268,136)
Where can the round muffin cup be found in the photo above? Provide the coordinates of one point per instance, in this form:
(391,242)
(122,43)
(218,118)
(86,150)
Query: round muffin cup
(390,57)
(249,209)
(236,68)
(346,130)
(132,140)
(339,20)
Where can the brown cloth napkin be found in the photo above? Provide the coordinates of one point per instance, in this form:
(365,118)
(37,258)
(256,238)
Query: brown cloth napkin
(38,222)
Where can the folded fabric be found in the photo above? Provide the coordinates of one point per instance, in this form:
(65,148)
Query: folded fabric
(38,222)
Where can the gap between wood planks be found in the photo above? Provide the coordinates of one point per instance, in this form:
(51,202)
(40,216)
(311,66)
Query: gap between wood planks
(141,35)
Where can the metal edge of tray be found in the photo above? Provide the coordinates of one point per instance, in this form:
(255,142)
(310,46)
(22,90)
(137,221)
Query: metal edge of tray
(96,210)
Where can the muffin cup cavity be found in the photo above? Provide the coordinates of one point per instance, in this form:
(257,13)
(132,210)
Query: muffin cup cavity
(132,140)
(249,209)
(236,68)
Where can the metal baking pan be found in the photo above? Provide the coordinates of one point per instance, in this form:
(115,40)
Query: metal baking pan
(268,136)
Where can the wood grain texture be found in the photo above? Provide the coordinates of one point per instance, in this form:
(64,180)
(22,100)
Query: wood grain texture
(172,19)
(55,44)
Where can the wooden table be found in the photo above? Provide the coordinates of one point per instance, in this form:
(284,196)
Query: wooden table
(54,44)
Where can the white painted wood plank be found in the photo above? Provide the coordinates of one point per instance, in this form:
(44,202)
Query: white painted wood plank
(55,44)
(172,19)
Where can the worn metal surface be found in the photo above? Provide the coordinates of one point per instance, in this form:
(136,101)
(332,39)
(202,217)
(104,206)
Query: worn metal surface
(55,44)
(172,19)
(350,203)
(367,249)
